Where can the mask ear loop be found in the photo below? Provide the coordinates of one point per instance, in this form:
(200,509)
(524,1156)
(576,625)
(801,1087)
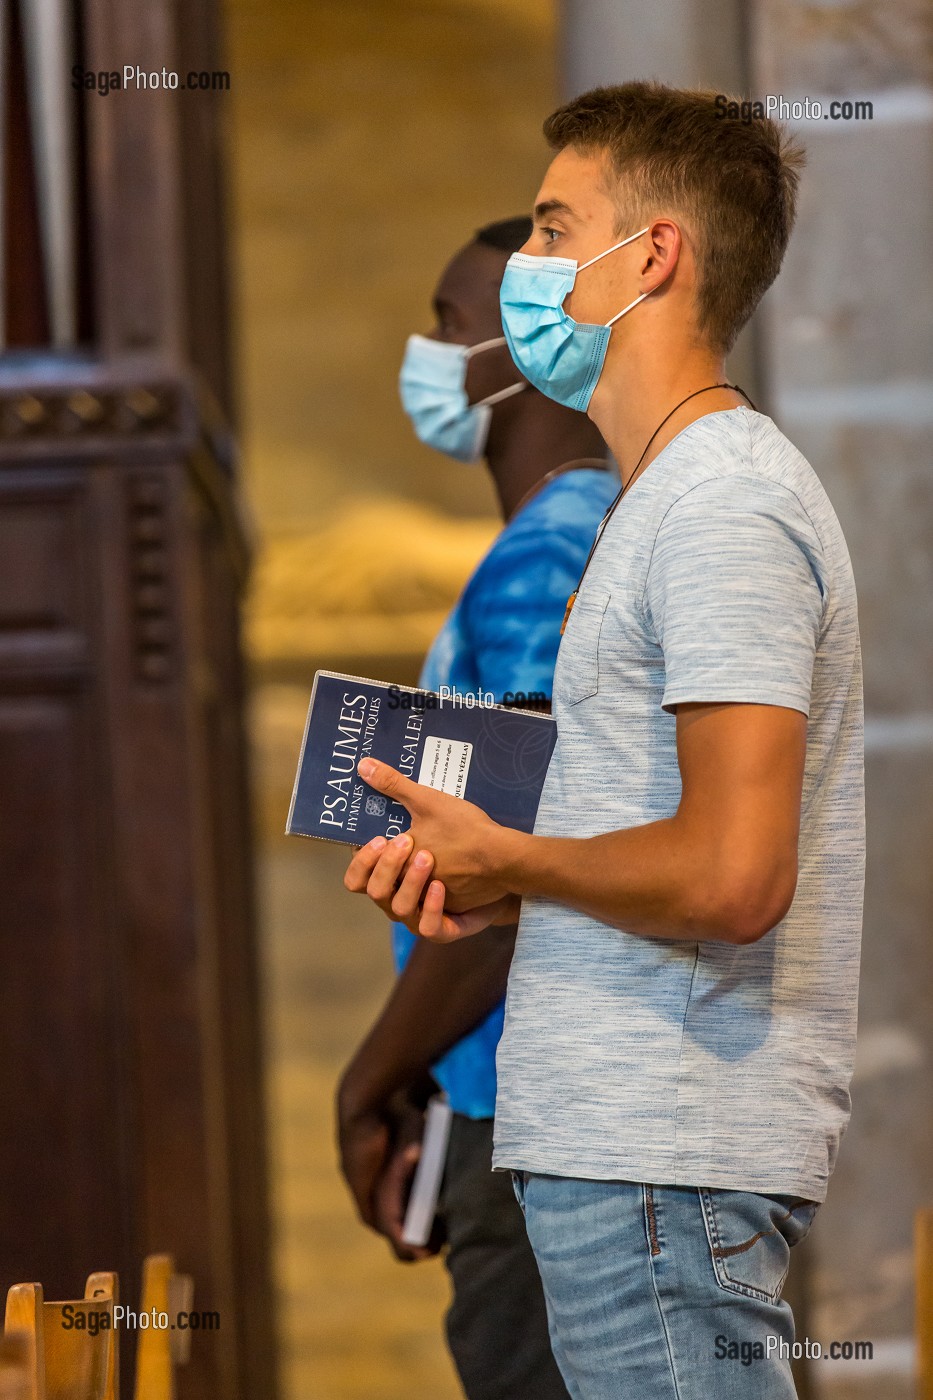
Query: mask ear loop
(618,316)
(501,393)
(631,239)
(472,350)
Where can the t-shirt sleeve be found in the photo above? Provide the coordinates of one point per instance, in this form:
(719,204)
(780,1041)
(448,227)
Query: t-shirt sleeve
(514,608)
(735,594)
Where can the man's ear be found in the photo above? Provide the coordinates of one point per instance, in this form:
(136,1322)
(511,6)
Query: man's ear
(666,242)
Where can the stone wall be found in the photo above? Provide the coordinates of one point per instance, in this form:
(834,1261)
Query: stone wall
(848,330)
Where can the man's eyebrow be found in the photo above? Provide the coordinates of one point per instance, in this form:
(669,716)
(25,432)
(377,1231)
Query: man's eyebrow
(552,206)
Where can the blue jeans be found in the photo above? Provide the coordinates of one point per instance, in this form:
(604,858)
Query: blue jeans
(665,1292)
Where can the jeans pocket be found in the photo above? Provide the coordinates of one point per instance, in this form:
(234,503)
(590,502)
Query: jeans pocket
(750,1238)
(577,673)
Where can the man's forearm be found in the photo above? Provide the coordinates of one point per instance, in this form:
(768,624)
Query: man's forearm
(662,880)
(441,995)
(723,866)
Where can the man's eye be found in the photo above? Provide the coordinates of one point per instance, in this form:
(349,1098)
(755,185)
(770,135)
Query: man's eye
(550,234)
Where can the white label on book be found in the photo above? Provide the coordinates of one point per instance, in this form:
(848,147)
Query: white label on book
(445,764)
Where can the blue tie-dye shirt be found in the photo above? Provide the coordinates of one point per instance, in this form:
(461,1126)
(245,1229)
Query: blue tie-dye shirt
(502,637)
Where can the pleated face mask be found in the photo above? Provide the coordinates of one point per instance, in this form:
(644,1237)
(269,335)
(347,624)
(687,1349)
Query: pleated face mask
(432,385)
(558,355)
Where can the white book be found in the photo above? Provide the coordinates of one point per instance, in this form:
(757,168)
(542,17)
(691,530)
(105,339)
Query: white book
(429,1173)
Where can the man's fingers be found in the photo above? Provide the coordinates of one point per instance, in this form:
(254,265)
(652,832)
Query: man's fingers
(434,924)
(376,868)
(361,1178)
(391,782)
(363,863)
(388,869)
(363,1158)
(408,896)
(392,1200)
(498,914)
(440,926)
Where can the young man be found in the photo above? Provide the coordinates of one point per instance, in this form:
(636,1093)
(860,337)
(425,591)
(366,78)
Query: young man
(465,398)
(680,1025)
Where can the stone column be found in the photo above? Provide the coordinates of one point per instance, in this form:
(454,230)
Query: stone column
(687,43)
(682,42)
(847,334)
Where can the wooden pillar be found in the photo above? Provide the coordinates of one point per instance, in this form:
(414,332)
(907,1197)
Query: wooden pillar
(131,1116)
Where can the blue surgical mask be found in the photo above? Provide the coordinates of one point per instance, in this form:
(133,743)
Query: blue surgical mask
(558,355)
(432,384)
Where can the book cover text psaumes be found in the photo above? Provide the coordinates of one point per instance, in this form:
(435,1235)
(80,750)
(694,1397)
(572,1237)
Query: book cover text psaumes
(488,754)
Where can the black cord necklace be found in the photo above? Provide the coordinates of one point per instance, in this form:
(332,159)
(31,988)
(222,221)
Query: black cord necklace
(631,477)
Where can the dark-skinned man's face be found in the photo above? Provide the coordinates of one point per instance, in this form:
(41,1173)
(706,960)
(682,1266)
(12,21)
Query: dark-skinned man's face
(466,309)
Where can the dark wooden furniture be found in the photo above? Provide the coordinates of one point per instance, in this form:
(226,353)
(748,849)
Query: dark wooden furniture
(73,1346)
(131,1113)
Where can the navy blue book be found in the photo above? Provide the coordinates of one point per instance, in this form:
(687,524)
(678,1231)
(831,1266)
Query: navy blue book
(494,756)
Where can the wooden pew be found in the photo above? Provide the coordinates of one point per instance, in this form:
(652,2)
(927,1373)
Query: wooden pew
(159,1350)
(72,1346)
(24,1322)
(16,1365)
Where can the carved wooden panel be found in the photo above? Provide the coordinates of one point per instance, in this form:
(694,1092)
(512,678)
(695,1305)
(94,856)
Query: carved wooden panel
(61,1087)
(130,1089)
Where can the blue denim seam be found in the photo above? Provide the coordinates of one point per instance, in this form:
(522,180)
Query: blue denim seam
(654,1288)
(652,1222)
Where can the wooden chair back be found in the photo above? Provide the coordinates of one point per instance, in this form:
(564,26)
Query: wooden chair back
(160,1350)
(23,1319)
(73,1349)
(16,1360)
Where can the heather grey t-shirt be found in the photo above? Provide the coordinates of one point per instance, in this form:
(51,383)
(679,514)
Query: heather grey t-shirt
(722,576)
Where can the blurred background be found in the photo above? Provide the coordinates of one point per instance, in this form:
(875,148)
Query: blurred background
(208,489)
